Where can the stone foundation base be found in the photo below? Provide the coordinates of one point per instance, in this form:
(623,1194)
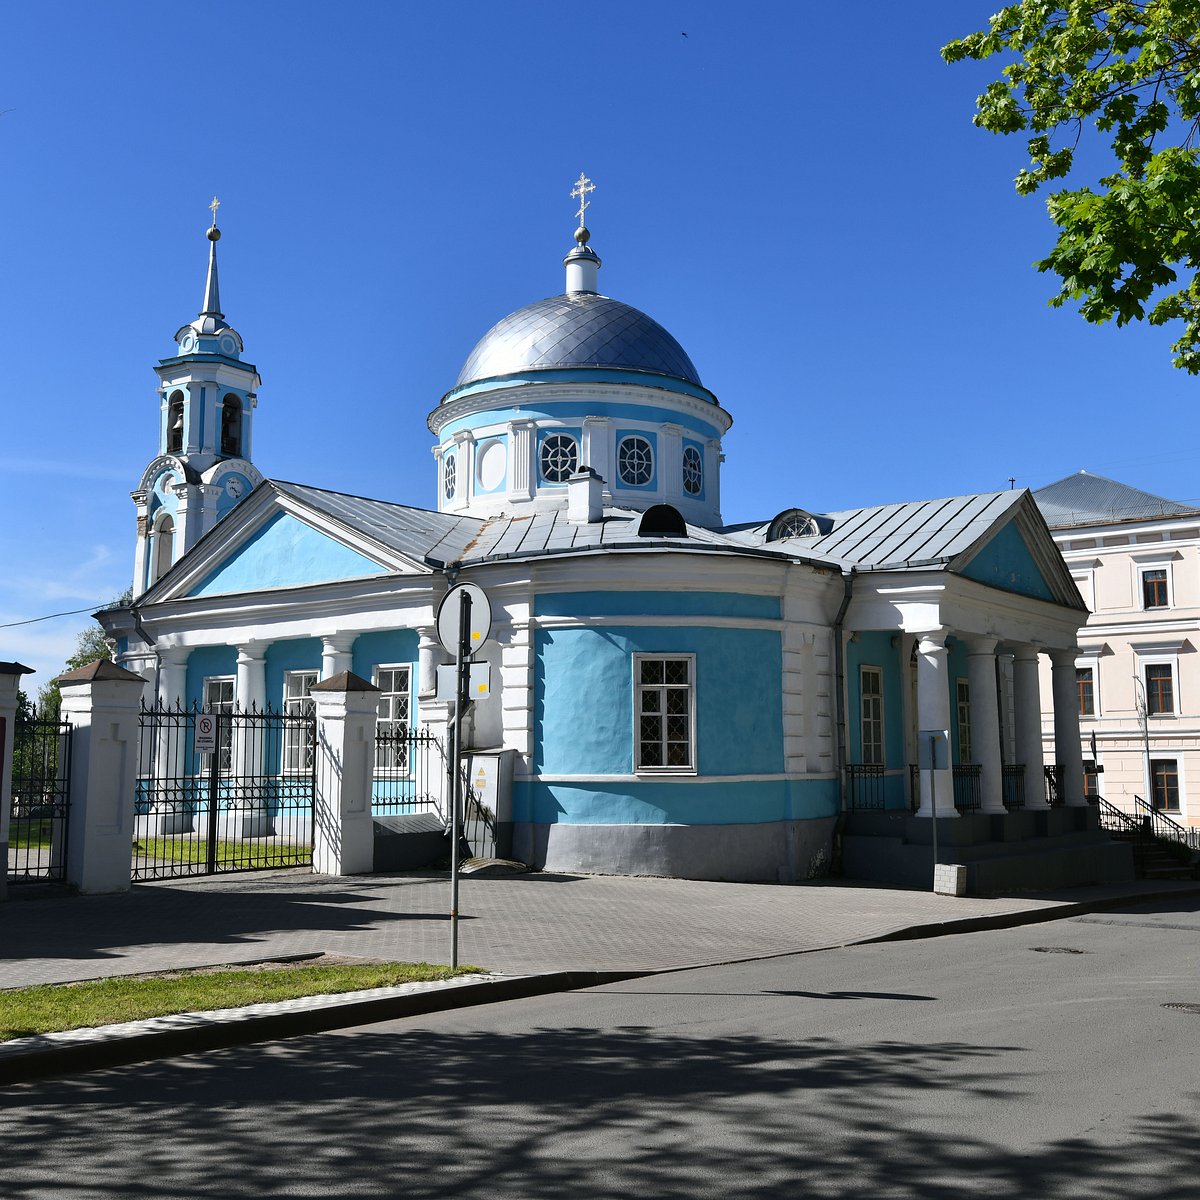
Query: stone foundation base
(772,852)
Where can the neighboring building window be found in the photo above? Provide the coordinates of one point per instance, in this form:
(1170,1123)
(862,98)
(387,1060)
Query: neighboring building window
(448,474)
(1160,689)
(395,706)
(963,693)
(559,458)
(693,471)
(175,423)
(635,461)
(1091,779)
(665,710)
(1164,784)
(231,426)
(218,698)
(1086,685)
(297,737)
(871,715)
(1154,588)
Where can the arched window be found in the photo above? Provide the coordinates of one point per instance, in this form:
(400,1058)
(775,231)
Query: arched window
(793,523)
(693,471)
(175,423)
(231,426)
(449,473)
(162,547)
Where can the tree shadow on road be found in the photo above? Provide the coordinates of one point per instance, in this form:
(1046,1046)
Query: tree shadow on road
(553,1113)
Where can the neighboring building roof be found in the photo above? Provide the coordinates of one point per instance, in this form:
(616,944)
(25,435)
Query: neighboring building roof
(1086,499)
(577,329)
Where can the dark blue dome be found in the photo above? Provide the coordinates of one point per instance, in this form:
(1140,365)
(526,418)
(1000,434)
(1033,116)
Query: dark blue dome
(578,329)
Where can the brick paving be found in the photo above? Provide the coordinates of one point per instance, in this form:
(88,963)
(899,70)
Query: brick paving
(515,925)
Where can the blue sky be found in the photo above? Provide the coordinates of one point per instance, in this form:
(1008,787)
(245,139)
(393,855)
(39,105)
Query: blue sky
(794,190)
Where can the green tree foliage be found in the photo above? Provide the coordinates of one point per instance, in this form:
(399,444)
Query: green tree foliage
(90,647)
(1132,69)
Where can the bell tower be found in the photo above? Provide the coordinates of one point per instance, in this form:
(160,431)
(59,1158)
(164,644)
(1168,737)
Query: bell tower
(206,415)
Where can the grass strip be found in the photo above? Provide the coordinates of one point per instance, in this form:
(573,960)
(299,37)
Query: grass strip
(51,1008)
(246,854)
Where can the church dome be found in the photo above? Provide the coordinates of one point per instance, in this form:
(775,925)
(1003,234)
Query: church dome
(577,329)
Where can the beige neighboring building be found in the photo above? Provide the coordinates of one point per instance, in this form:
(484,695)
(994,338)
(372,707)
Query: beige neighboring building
(1136,560)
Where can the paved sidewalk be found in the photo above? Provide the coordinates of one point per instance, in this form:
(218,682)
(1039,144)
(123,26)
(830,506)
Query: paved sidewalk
(516,925)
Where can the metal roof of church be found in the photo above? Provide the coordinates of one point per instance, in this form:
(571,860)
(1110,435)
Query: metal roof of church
(893,536)
(577,329)
(1087,499)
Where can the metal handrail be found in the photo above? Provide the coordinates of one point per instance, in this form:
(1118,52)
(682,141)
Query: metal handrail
(1163,827)
(864,785)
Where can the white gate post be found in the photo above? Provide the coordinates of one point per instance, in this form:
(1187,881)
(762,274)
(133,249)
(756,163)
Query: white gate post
(101,702)
(10,679)
(343,832)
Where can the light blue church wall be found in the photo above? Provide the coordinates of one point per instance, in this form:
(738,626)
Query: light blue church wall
(568,409)
(584,715)
(203,662)
(387,646)
(285,552)
(873,648)
(299,654)
(1005,562)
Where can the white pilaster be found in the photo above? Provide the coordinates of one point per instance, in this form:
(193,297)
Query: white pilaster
(596,451)
(985,722)
(516,698)
(521,469)
(670,466)
(336,653)
(1027,720)
(933,709)
(1068,750)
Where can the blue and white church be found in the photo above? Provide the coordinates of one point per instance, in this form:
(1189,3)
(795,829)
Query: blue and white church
(678,696)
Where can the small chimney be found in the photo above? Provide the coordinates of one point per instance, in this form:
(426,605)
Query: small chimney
(585,504)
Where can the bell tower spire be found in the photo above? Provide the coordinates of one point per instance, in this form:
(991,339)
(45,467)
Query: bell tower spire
(207,401)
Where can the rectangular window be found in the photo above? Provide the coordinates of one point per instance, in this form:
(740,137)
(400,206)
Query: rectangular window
(218,698)
(1154,588)
(1091,779)
(1085,682)
(871,715)
(1164,784)
(963,693)
(665,711)
(395,706)
(1160,689)
(297,737)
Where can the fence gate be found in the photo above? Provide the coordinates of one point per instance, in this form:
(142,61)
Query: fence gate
(41,789)
(243,805)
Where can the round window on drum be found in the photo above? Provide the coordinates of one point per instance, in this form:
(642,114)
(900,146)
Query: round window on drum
(559,458)
(693,471)
(635,461)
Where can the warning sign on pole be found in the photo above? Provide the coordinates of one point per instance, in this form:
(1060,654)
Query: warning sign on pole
(206,733)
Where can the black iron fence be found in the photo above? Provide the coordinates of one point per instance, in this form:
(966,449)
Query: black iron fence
(968,796)
(1012,778)
(41,789)
(864,786)
(410,774)
(1161,826)
(244,804)
(1053,796)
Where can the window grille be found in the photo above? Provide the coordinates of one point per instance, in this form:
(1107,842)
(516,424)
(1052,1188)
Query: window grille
(665,710)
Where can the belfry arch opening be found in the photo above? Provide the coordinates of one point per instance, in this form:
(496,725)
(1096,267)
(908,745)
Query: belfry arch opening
(231,426)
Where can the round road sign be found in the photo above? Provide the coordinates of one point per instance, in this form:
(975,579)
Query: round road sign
(449,616)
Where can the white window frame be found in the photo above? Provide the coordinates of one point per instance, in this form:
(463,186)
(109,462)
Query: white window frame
(1089,660)
(1157,560)
(638,695)
(1159,656)
(1179,814)
(297,704)
(394,770)
(222,707)
(878,718)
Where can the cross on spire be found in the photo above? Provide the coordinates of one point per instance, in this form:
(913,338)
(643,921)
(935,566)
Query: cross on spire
(579,192)
(214,206)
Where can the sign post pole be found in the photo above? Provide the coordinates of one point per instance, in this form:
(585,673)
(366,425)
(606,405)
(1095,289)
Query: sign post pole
(461,674)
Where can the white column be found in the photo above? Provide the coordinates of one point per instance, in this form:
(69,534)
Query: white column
(596,451)
(1068,749)
(101,702)
(933,710)
(985,722)
(430,655)
(251,687)
(336,653)
(143,544)
(172,674)
(1004,674)
(343,832)
(1027,719)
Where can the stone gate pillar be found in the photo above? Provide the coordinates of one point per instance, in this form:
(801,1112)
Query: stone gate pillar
(101,701)
(343,832)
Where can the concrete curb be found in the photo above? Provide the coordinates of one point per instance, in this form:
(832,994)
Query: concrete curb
(27,1059)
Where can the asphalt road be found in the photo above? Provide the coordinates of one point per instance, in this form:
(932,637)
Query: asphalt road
(1032,1063)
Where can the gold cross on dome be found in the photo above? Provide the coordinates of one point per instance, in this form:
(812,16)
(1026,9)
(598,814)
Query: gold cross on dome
(214,206)
(579,192)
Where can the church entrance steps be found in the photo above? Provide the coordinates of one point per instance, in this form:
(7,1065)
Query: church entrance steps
(1002,852)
